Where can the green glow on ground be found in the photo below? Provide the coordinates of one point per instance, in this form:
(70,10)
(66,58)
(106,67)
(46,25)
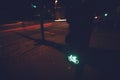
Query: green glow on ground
(73,58)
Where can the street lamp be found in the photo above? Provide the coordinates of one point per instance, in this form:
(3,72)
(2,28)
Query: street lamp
(56,2)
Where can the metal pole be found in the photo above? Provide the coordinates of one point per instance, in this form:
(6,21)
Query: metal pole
(42,20)
(42,25)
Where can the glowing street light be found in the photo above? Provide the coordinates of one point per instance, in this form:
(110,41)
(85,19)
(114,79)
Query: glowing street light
(96,17)
(56,2)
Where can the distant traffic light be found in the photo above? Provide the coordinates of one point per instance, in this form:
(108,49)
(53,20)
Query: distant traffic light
(33,5)
(105,14)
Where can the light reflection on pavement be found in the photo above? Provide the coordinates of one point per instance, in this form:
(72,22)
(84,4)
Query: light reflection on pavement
(28,27)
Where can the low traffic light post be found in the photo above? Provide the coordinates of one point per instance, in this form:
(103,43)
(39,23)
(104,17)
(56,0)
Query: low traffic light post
(41,11)
(40,7)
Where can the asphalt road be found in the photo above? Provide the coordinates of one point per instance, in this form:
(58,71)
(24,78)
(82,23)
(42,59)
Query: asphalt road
(22,58)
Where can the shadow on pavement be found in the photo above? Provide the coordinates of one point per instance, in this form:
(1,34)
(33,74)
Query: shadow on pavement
(106,63)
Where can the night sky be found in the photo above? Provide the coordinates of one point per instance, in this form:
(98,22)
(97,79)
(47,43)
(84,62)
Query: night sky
(16,8)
